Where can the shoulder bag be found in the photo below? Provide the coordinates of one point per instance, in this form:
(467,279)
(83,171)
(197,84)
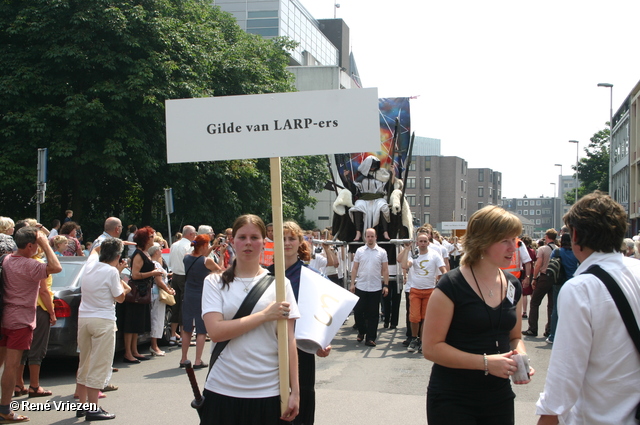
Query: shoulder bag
(623,307)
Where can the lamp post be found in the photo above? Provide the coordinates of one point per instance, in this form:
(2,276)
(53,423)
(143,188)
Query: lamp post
(554,205)
(336,6)
(610,87)
(577,149)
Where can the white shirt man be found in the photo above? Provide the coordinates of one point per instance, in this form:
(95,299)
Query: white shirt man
(176,261)
(369,263)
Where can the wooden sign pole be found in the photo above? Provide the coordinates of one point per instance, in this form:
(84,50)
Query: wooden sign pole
(278,264)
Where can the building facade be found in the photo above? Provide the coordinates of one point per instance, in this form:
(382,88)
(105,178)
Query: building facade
(542,212)
(634,160)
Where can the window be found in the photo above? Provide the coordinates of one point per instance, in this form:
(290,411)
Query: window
(526,203)
(490,191)
(427,200)
(480,205)
(427,163)
(481,192)
(532,212)
(412,166)
(461,203)
(411,182)
(525,212)
(538,221)
(519,203)
(427,182)
(427,218)
(480,175)
(520,212)
(538,212)
(538,202)
(462,185)
(411,199)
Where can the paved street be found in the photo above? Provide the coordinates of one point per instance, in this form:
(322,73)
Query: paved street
(356,384)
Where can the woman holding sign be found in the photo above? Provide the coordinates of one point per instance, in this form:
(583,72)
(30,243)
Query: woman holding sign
(296,251)
(243,386)
(472,328)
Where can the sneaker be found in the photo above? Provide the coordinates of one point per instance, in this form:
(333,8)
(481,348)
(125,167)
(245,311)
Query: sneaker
(419,346)
(406,342)
(524,316)
(548,340)
(413,345)
(529,332)
(98,415)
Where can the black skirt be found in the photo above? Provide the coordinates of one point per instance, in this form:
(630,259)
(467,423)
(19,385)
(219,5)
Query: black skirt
(219,409)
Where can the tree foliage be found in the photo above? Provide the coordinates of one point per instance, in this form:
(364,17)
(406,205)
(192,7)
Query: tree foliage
(593,169)
(88,80)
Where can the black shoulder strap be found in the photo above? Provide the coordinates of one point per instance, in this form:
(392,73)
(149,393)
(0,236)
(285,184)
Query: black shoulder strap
(621,302)
(245,309)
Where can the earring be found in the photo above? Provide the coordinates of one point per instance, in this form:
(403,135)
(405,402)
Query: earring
(481,257)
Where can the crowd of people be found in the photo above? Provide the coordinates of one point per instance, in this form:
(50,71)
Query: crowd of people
(465,303)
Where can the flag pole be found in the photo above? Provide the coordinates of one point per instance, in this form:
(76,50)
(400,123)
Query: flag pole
(278,264)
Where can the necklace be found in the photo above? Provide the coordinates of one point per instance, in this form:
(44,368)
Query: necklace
(480,290)
(488,310)
(246,281)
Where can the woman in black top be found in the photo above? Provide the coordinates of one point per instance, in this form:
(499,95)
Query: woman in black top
(473,327)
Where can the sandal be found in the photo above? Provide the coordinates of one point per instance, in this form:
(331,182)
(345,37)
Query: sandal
(37,393)
(360,337)
(20,391)
(12,417)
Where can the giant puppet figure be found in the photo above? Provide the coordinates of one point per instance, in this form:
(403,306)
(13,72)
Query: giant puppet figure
(373,194)
(371,208)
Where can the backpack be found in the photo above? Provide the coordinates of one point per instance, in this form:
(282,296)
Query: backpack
(555,271)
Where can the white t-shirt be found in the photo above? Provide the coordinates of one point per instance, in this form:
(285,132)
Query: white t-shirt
(100,285)
(425,269)
(248,366)
(319,263)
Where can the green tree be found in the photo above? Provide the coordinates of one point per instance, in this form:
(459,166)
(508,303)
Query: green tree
(593,169)
(88,80)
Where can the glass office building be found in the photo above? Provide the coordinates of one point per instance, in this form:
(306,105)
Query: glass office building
(286,18)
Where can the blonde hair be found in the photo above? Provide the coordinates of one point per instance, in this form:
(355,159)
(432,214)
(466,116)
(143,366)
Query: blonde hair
(60,239)
(487,226)
(5,224)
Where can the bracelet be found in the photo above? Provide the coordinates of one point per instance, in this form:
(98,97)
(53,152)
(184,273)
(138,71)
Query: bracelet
(486,364)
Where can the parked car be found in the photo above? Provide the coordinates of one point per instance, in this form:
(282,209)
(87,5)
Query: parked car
(67,293)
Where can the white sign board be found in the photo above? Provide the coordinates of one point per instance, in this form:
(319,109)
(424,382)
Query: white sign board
(454,225)
(324,306)
(273,125)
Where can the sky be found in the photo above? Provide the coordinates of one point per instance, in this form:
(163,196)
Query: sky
(503,84)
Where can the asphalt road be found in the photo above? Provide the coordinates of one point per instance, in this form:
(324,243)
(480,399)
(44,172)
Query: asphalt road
(384,385)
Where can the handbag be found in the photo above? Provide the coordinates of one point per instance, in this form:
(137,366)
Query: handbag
(165,297)
(623,307)
(140,292)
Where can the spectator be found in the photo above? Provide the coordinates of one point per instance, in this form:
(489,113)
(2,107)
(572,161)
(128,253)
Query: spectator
(60,244)
(178,250)
(55,227)
(7,244)
(198,266)
(112,229)
(101,286)
(68,214)
(136,317)
(131,231)
(87,249)
(594,367)
(569,264)
(22,276)
(157,308)
(69,230)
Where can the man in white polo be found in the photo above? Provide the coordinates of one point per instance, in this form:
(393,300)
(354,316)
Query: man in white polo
(369,263)
(427,268)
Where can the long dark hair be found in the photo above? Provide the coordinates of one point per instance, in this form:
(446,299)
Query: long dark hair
(230,274)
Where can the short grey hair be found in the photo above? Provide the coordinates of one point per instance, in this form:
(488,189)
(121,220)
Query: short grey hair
(204,229)
(155,248)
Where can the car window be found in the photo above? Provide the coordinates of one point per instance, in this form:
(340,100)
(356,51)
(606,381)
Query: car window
(68,275)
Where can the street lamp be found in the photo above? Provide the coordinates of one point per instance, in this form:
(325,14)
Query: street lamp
(610,87)
(577,148)
(554,205)
(336,6)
